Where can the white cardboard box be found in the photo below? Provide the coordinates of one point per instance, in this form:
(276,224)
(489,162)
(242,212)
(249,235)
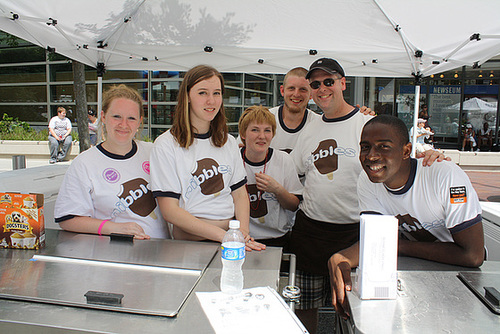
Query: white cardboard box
(378,255)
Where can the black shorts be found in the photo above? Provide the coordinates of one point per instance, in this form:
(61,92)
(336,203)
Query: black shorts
(314,242)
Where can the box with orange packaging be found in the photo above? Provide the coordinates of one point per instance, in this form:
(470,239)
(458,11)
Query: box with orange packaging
(22,223)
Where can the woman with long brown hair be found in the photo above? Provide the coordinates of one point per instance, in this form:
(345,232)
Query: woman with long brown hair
(197,174)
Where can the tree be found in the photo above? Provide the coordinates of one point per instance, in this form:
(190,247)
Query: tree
(82,119)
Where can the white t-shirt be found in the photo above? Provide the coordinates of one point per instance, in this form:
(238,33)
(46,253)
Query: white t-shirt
(202,176)
(425,134)
(103,185)
(436,202)
(60,126)
(285,138)
(268,219)
(327,153)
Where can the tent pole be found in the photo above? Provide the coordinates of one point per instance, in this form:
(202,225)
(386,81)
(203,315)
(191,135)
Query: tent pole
(99,107)
(99,94)
(415,118)
(101,69)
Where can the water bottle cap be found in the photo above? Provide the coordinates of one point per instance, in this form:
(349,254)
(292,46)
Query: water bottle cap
(234,224)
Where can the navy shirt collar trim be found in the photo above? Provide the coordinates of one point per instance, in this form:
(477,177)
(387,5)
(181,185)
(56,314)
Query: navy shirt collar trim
(411,179)
(260,163)
(202,135)
(342,118)
(129,155)
(287,129)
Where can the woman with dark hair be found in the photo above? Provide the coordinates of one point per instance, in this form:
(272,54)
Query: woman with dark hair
(197,175)
(106,188)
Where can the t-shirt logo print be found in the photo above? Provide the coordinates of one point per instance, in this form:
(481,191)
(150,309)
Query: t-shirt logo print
(209,177)
(413,230)
(325,159)
(138,198)
(258,205)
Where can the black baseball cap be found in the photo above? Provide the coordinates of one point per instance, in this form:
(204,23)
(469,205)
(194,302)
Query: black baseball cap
(92,112)
(326,64)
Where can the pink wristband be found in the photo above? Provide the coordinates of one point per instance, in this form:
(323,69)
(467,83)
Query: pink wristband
(100,226)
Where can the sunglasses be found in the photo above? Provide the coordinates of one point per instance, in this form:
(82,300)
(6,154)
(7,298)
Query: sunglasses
(328,82)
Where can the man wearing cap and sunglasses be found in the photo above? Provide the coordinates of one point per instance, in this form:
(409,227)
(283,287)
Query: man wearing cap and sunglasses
(327,154)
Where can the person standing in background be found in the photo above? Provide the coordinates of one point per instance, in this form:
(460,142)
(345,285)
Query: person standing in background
(59,134)
(93,126)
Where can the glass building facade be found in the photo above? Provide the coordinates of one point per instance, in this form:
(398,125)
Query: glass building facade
(453,99)
(34,82)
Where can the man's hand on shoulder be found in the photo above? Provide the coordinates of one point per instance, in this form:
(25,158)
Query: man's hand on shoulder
(366,111)
(430,156)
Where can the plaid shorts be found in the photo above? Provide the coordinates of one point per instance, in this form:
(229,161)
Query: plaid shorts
(315,290)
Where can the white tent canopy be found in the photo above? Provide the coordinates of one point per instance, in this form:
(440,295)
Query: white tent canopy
(372,38)
(476,104)
(368,37)
(478,112)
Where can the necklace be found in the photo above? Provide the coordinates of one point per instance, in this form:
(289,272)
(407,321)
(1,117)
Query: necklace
(260,194)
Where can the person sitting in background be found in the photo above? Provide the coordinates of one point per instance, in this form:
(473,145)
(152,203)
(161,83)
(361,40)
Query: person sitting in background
(93,126)
(469,140)
(272,181)
(422,133)
(106,188)
(437,208)
(484,137)
(59,135)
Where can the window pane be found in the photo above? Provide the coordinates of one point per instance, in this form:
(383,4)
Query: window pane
(253,98)
(124,75)
(166,91)
(379,95)
(165,74)
(61,72)
(26,113)
(232,96)
(232,79)
(233,114)
(34,73)
(162,114)
(141,87)
(258,83)
(23,94)
(21,54)
(233,130)
(62,94)
(155,132)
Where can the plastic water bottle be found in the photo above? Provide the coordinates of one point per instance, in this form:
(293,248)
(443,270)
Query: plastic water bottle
(233,256)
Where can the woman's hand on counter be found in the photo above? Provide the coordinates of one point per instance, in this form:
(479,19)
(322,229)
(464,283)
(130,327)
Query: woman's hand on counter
(82,224)
(126,228)
(251,244)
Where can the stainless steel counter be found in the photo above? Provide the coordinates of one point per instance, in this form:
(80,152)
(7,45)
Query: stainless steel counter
(432,299)
(260,269)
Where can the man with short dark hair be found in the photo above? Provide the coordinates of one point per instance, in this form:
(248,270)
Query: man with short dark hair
(438,210)
(326,153)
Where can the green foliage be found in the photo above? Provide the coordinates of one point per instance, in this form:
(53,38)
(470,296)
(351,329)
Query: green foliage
(14,129)
(9,39)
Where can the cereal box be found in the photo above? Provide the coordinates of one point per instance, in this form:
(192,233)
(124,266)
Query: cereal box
(21,221)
